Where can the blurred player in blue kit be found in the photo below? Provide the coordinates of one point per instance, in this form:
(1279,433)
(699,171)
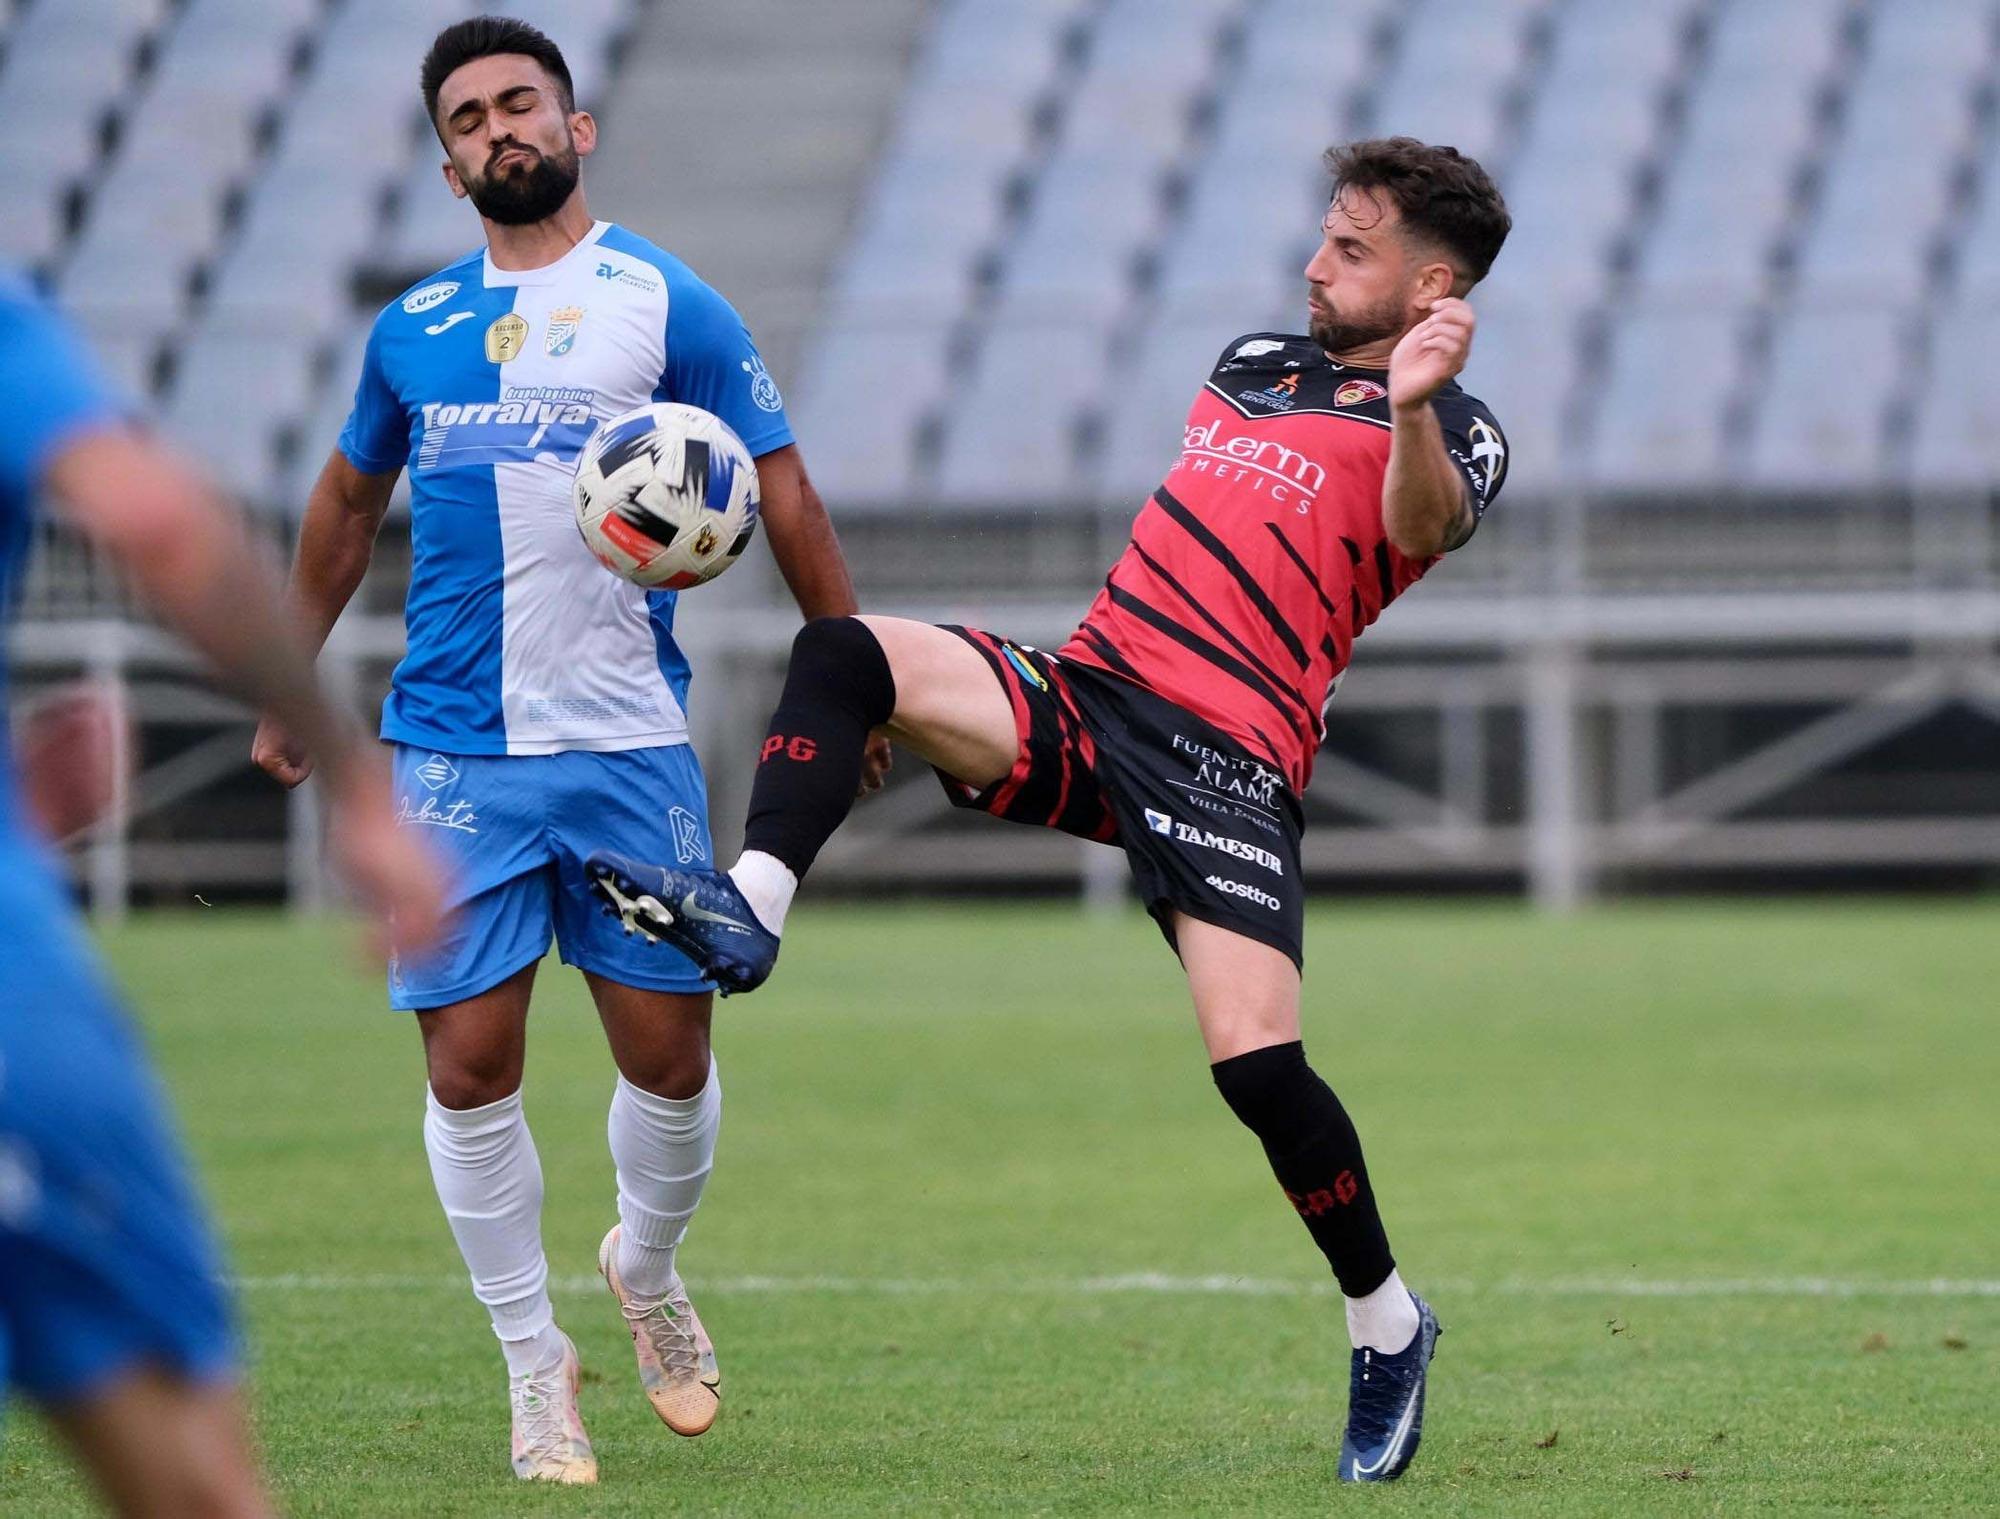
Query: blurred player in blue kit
(112,1310)
(541,707)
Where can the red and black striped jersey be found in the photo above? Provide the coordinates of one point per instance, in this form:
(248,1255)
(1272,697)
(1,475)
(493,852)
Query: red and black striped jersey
(1262,557)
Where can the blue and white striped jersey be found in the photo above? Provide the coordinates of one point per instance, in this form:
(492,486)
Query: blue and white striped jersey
(486,383)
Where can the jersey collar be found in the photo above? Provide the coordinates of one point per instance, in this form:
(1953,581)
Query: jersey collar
(548,274)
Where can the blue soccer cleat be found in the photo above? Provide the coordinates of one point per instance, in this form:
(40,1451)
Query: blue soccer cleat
(699,912)
(1385,1405)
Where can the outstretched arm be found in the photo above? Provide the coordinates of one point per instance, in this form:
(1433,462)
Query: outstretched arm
(188,555)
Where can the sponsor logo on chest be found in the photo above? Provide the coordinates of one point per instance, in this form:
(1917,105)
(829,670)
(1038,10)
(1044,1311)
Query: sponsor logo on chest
(1259,463)
(435,294)
(1281,396)
(527,422)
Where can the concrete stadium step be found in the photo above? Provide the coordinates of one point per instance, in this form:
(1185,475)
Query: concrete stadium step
(742,135)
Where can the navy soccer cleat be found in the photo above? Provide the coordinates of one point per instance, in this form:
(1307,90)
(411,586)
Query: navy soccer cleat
(1385,1405)
(699,912)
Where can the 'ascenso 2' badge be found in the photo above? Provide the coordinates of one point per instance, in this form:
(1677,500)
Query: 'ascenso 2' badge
(505,338)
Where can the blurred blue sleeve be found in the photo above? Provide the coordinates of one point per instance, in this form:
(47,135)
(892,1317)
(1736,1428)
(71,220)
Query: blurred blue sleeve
(50,388)
(711,363)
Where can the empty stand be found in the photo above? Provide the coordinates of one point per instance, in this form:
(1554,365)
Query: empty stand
(1752,237)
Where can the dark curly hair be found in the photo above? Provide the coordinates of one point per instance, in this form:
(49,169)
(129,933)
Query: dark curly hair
(484,37)
(1445,197)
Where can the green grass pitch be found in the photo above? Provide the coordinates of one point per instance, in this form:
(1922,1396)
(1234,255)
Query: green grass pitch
(1707,1195)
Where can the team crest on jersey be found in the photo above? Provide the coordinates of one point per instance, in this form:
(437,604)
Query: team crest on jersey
(763,389)
(1282,396)
(563,323)
(1489,453)
(429,296)
(1354,392)
(505,338)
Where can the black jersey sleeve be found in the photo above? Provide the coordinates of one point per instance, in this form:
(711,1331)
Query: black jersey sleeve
(1477,447)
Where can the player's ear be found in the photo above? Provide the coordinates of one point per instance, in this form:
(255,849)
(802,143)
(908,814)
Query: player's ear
(1435,281)
(583,132)
(452,181)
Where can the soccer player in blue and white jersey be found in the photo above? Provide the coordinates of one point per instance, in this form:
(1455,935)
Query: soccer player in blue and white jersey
(112,1313)
(540,709)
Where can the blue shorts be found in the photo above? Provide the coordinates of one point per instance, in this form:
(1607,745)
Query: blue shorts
(513,832)
(106,1261)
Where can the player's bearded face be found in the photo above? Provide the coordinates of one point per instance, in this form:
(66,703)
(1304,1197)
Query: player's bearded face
(1361,279)
(1340,329)
(519,183)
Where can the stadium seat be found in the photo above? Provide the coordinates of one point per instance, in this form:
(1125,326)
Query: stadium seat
(1937,38)
(1567,218)
(1638,43)
(1731,188)
(1763,41)
(1143,421)
(1448,81)
(1011,436)
(1292,47)
(64,67)
(1906,125)
(1818,418)
(1957,416)
(1658,419)
(232,392)
(1087,222)
(323,418)
(862,451)
(1978,250)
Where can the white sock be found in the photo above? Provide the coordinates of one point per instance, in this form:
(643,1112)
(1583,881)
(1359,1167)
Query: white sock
(1385,1320)
(767,884)
(490,1181)
(663,1148)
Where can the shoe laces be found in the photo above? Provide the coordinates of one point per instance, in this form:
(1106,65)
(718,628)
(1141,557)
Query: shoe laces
(668,1324)
(538,1409)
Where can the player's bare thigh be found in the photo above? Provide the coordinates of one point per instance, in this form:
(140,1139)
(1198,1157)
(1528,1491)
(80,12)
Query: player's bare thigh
(951,710)
(1246,994)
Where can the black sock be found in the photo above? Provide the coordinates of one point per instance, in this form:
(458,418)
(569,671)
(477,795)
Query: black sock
(837,688)
(1316,1156)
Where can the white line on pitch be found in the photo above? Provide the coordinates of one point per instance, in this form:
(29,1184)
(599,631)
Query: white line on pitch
(1190,1286)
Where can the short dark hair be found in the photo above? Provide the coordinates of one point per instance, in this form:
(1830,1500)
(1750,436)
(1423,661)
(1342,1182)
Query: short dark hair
(484,37)
(1443,195)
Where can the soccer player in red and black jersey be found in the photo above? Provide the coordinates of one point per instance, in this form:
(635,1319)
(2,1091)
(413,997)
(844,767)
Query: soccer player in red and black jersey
(1321,475)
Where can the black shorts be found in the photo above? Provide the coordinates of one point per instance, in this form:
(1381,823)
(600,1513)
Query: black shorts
(1207,828)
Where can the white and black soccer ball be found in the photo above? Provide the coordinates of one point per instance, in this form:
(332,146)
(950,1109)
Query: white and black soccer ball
(666,496)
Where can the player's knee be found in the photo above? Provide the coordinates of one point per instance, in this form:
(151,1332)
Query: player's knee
(840,656)
(473,1080)
(677,1070)
(1266,1088)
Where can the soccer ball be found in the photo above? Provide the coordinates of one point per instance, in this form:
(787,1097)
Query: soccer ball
(666,496)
